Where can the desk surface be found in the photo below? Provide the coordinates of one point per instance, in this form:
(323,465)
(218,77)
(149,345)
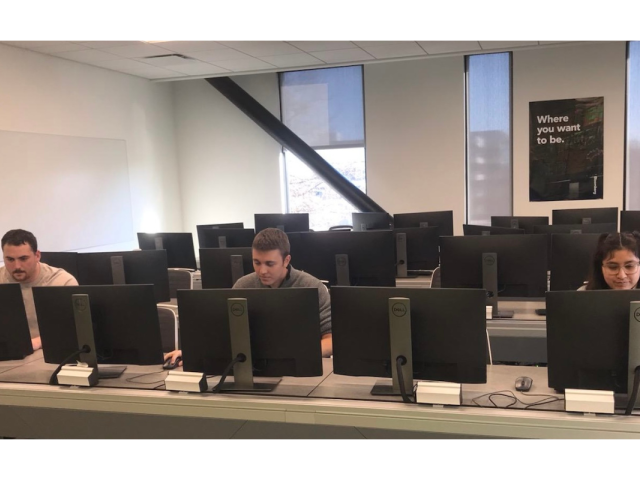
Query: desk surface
(335,407)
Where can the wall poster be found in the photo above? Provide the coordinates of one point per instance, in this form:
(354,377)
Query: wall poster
(565,149)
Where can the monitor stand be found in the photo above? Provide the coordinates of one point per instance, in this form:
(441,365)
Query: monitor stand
(117,270)
(237,269)
(634,345)
(400,343)
(222,242)
(342,270)
(241,344)
(84,333)
(401,255)
(490,284)
(158,243)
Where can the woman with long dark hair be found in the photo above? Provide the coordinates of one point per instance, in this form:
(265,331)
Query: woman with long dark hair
(616,262)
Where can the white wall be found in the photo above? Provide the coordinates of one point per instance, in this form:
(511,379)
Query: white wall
(595,70)
(229,167)
(415,136)
(48,95)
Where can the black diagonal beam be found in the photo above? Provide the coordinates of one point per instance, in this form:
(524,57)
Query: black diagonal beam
(289,140)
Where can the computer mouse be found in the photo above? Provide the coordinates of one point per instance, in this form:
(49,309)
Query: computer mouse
(169,365)
(523,384)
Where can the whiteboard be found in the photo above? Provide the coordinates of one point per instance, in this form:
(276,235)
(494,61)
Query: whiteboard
(70,192)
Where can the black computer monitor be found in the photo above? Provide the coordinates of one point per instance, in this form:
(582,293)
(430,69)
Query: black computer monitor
(65,260)
(443,219)
(125,323)
(585,216)
(550,230)
(287,222)
(525,223)
(629,220)
(179,247)
(504,265)
(213,226)
(346,258)
(140,267)
(222,267)
(227,237)
(363,221)
(15,339)
(588,339)
(485,230)
(448,332)
(422,248)
(522,263)
(284,327)
(571,258)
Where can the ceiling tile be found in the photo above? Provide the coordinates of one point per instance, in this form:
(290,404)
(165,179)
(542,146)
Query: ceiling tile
(506,44)
(152,72)
(166,61)
(441,47)
(199,68)
(188,47)
(321,46)
(107,44)
(263,49)
(137,51)
(368,44)
(295,60)
(59,47)
(88,56)
(214,56)
(28,44)
(121,63)
(395,50)
(245,64)
(347,55)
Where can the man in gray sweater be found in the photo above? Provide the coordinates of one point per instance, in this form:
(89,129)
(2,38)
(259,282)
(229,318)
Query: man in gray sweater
(22,265)
(272,265)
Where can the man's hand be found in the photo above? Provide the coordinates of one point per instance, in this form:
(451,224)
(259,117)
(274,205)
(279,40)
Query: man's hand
(36,343)
(326,344)
(173,356)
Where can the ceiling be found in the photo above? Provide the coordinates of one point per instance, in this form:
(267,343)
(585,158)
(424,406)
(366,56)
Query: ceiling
(179,60)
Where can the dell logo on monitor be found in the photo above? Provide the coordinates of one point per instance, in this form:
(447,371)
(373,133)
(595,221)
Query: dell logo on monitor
(237,309)
(399,310)
(80,304)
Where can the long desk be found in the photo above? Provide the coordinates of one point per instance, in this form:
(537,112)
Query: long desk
(331,406)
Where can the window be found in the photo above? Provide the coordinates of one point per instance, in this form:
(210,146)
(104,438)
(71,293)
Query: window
(632,194)
(489,152)
(325,108)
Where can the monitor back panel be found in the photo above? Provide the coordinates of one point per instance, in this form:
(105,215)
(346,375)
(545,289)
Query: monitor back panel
(215,265)
(125,323)
(360,324)
(15,339)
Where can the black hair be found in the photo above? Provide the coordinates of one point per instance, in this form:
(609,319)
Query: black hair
(20,237)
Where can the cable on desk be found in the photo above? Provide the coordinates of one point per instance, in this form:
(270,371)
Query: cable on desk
(403,389)
(509,394)
(53,380)
(144,375)
(241,357)
(634,394)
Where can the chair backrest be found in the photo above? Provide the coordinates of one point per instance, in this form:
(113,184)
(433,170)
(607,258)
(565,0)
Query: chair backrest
(179,279)
(168,328)
(435,278)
